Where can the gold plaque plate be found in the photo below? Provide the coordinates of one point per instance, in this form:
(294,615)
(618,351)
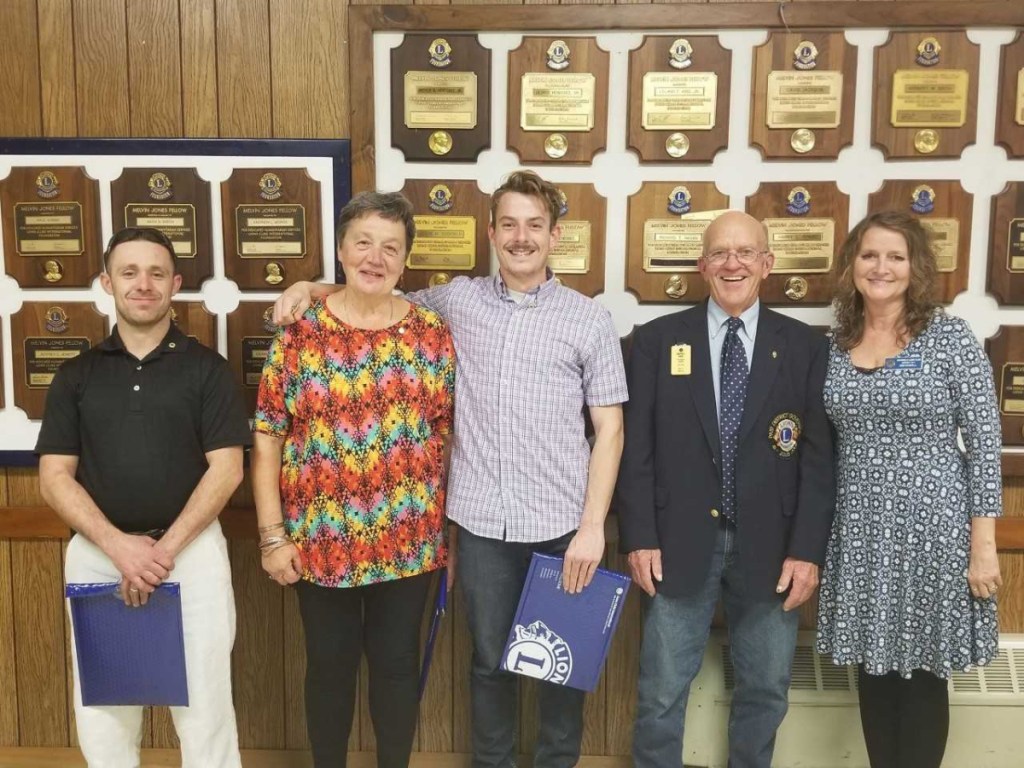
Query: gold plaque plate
(945,241)
(440,100)
(1015,246)
(1011,389)
(929,99)
(804,99)
(277,230)
(801,244)
(443,242)
(563,101)
(49,229)
(178,222)
(673,245)
(572,254)
(679,101)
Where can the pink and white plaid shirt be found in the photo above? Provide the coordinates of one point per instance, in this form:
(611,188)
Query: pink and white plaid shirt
(524,373)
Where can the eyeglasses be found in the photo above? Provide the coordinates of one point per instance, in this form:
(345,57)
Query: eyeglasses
(745,256)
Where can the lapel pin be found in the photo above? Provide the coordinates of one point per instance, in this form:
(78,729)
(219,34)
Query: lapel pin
(774,354)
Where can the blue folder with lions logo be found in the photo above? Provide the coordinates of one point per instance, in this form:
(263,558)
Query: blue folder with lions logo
(562,638)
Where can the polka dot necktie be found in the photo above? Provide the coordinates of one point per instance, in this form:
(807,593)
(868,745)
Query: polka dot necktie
(733,385)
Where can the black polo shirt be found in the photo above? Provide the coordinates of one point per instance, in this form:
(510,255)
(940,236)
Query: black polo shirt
(142,428)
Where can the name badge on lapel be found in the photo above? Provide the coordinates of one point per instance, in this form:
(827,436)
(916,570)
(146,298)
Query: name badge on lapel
(680,360)
(905,363)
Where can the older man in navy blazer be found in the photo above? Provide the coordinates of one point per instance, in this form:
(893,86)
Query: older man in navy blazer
(726,491)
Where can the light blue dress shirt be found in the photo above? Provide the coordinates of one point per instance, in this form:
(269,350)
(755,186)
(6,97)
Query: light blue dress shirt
(717,318)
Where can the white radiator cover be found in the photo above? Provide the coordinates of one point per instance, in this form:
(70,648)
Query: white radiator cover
(822,729)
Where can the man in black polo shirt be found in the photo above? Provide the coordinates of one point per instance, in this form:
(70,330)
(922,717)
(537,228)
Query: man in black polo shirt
(140,449)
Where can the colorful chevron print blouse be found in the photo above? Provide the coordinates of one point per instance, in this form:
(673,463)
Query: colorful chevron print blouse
(363,414)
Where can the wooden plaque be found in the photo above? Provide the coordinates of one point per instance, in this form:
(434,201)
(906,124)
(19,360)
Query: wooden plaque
(195,320)
(578,259)
(926,102)
(1006,251)
(1,363)
(43,335)
(661,264)
(451,233)
(804,88)
(251,329)
(945,209)
(1006,351)
(1010,103)
(177,202)
(806,223)
(563,84)
(271,224)
(441,97)
(679,99)
(51,222)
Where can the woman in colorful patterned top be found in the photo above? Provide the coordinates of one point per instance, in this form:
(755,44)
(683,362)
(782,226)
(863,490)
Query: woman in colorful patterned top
(355,405)
(908,590)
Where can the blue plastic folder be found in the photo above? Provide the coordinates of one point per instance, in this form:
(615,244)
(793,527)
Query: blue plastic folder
(562,638)
(128,656)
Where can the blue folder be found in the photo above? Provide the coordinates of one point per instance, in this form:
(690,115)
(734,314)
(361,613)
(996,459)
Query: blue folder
(128,656)
(562,638)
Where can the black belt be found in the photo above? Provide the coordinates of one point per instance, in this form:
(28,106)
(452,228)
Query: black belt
(153,533)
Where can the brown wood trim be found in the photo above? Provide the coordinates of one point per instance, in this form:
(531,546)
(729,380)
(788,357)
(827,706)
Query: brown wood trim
(1013,464)
(364,20)
(1010,534)
(43,523)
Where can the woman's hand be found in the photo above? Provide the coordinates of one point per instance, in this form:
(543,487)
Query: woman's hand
(283,565)
(292,303)
(983,571)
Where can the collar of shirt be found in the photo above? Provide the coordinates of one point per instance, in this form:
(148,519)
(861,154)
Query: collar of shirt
(532,296)
(717,318)
(174,341)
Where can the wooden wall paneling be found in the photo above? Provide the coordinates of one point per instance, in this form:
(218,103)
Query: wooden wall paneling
(462,660)
(101,68)
(23,487)
(295,736)
(198,30)
(1011,594)
(621,669)
(154,67)
(436,706)
(69,664)
(8,656)
(257,665)
(57,67)
(19,61)
(41,674)
(310,69)
(243,68)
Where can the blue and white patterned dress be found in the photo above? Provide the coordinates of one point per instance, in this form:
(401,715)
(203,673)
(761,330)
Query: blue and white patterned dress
(894,593)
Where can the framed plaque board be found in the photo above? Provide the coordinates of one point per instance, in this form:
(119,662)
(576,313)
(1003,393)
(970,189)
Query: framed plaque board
(804,87)
(451,233)
(679,98)
(1006,251)
(926,101)
(177,202)
(251,330)
(578,258)
(441,97)
(1010,104)
(43,336)
(945,210)
(51,222)
(666,228)
(557,99)
(195,321)
(1006,351)
(806,223)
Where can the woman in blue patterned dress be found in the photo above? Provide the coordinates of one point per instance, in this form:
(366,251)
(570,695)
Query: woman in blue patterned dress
(908,589)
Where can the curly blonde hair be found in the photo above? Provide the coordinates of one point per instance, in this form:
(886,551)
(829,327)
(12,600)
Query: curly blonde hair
(920,304)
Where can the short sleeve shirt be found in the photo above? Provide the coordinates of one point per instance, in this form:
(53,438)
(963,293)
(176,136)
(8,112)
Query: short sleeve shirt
(142,428)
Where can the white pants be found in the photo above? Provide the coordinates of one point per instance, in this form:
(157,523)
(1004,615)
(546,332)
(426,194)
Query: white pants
(110,737)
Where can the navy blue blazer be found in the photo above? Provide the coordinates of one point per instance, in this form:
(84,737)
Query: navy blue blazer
(669,493)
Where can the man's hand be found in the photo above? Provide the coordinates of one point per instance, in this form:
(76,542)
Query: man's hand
(132,597)
(292,303)
(140,562)
(582,557)
(284,564)
(800,578)
(645,567)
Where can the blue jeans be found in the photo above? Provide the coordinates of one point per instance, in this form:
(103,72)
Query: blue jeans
(491,574)
(762,638)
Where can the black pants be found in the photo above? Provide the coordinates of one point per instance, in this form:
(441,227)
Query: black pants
(905,722)
(340,624)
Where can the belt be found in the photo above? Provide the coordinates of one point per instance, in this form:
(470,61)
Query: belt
(153,533)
